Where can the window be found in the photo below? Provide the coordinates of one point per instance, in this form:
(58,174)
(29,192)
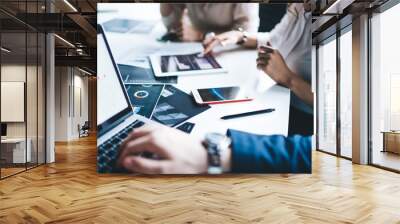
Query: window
(385,89)
(346,93)
(327,96)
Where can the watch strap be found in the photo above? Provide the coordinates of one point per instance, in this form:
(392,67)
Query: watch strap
(216,144)
(214,159)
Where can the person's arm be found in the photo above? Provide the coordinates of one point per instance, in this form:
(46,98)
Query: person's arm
(179,153)
(272,63)
(280,36)
(245,16)
(269,154)
(254,39)
(228,38)
(171,14)
(301,88)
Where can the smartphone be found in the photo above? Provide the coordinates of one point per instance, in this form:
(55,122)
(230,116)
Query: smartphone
(220,95)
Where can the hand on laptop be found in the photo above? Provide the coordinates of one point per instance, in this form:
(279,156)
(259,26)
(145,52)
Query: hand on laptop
(177,152)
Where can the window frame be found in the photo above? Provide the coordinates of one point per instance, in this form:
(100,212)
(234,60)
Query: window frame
(27,29)
(378,10)
(343,31)
(333,37)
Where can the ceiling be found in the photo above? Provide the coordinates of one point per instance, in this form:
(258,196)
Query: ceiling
(334,15)
(73,21)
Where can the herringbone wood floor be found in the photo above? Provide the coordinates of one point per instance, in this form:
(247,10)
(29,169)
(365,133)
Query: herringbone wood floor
(70,191)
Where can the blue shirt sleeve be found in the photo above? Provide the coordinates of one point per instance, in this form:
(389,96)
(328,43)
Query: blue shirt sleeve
(270,154)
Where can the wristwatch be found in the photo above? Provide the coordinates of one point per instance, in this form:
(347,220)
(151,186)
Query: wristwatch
(245,36)
(215,143)
(208,35)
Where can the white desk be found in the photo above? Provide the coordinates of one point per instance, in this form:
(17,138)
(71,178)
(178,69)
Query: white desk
(16,146)
(241,64)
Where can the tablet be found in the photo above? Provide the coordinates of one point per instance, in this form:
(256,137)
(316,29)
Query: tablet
(184,64)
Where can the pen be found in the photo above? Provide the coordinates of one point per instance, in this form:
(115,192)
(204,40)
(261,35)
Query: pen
(248,114)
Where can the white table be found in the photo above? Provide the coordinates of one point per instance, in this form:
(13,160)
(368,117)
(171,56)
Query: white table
(242,71)
(17,146)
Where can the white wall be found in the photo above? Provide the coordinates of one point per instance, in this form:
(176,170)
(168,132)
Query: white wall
(61,103)
(12,73)
(71,102)
(81,102)
(16,73)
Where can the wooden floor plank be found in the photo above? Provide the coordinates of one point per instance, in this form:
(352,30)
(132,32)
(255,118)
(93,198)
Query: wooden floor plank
(70,191)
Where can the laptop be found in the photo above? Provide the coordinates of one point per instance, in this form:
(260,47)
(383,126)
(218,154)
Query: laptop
(115,117)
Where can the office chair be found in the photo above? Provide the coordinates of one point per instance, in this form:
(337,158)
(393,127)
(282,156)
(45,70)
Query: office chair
(84,130)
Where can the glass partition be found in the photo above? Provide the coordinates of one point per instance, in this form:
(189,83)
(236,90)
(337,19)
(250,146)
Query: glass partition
(327,96)
(385,89)
(41,97)
(14,143)
(31,99)
(22,91)
(346,93)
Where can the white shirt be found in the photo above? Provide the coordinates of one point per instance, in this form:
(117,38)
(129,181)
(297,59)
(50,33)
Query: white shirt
(292,37)
(216,17)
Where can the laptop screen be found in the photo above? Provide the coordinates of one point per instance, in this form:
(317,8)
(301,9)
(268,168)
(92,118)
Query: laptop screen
(111,99)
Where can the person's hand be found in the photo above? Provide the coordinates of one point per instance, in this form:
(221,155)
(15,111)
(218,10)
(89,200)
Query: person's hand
(188,33)
(176,152)
(223,39)
(272,63)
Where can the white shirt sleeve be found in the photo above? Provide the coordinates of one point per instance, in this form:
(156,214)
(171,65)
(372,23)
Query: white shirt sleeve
(287,32)
(276,32)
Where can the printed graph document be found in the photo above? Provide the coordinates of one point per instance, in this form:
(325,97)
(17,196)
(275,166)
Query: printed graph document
(174,107)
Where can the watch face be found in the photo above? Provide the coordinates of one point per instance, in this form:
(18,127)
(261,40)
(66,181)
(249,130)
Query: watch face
(215,138)
(214,170)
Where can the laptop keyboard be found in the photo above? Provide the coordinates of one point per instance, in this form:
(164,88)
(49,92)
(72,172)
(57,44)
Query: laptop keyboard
(108,151)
